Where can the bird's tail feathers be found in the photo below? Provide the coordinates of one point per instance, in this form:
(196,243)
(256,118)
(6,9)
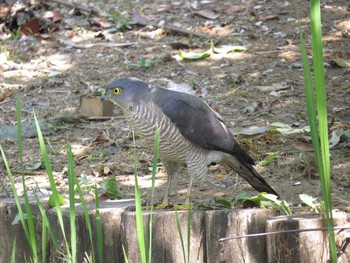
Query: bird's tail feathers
(252,176)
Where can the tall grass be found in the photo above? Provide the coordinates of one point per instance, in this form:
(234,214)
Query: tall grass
(145,238)
(27,218)
(317,114)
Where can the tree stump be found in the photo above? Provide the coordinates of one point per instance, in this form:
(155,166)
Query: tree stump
(9,232)
(166,245)
(297,247)
(110,214)
(236,222)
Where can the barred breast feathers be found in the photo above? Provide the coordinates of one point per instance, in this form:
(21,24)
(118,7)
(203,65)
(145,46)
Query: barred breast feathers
(145,118)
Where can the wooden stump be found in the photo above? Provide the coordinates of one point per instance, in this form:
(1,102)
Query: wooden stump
(9,232)
(236,222)
(110,213)
(297,247)
(166,241)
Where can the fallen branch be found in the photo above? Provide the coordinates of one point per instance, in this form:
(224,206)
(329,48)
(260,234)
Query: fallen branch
(85,46)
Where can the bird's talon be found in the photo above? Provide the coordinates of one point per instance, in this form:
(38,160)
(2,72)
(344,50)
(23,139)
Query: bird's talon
(163,205)
(185,206)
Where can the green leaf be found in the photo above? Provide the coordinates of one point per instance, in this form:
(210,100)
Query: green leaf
(265,200)
(346,133)
(112,188)
(194,56)
(268,159)
(229,49)
(61,200)
(286,129)
(307,199)
(17,219)
(34,165)
(224,202)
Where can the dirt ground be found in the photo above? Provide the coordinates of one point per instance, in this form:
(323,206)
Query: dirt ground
(254,88)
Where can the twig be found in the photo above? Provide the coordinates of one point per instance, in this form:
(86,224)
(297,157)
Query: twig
(29,172)
(72,5)
(176,30)
(281,232)
(83,46)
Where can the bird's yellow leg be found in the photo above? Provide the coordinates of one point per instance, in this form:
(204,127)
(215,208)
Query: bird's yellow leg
(165,202)
(187,205)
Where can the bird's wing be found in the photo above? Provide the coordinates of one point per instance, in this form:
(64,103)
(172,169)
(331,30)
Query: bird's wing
(200,124)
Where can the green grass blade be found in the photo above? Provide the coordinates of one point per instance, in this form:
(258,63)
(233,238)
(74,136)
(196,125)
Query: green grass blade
(44,239)
(99,228)
(55,195)
(13,252)
(188,234)
(139,218)
(317,113)
(16,197)
(154,172)
(71,182)
(46,227)
(30,219)
(321,105)
(126,259)
(180,235)
(139,222)
(87,218)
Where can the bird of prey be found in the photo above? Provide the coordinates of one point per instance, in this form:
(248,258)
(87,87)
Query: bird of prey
(190,132)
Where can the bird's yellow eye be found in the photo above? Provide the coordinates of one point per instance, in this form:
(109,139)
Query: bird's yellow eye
(116,90)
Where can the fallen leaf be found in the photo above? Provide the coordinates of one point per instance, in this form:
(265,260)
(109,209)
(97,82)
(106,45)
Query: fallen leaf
(227,49)
(100,138)
(207,14)
(335,139)
(286,129)
(303,146)
(250,131)
(34,165)
(31,27)
(95,21)
(193,55)
(272,88)
(343,63)
(53,14)
(268,17)
(138,17)
(234,9)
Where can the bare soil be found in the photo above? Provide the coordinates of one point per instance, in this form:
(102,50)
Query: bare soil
(257,87)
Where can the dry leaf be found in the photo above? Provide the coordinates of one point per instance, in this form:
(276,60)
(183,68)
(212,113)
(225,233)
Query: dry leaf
(234,9)
(138,17)
(207,14)
(31,27)
(343,63)
(54,15)
(100,138)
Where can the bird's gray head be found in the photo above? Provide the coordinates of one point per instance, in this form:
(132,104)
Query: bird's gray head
(127,92)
